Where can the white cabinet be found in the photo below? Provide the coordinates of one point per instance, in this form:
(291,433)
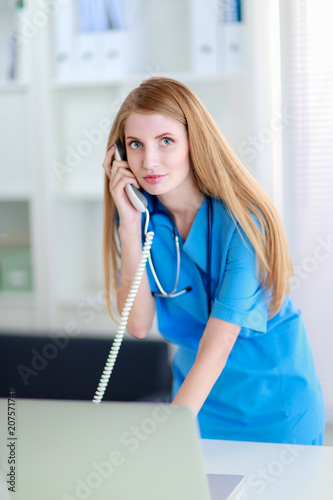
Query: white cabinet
(53,138)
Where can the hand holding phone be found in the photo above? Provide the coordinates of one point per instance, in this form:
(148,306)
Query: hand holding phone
(137,199)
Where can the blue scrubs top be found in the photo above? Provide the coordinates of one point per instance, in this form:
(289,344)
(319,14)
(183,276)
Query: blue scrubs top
(269,389)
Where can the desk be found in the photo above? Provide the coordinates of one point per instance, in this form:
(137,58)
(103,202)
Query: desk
(273,471)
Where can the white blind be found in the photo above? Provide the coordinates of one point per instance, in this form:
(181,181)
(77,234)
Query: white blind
(307,71)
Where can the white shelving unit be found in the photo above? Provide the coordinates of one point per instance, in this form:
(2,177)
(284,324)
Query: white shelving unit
(53,139)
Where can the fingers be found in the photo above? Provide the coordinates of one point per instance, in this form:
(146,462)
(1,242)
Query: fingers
(107,162)
(120,176)
(121,168)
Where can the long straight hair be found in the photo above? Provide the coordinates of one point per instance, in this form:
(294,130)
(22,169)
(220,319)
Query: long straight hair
(218,173)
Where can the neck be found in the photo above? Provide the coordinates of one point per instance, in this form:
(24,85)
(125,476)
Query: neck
(182,204)
(183,207)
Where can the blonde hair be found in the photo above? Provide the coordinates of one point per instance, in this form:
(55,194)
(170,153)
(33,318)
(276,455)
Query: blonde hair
(223,177)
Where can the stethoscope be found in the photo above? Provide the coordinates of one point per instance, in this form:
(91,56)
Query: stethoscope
(174,293)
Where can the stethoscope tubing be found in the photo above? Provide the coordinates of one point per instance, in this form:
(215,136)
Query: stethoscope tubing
(173,293)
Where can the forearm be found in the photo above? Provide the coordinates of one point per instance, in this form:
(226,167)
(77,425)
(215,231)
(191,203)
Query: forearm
(142,312)
(214,349)
(199,382)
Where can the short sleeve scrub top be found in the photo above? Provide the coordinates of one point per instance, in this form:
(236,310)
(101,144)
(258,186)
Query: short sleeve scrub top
(269,390)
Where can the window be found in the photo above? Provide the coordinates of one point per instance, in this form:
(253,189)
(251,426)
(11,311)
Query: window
(307,92)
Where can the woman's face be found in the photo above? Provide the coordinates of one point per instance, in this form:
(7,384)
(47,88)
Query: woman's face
(158,153)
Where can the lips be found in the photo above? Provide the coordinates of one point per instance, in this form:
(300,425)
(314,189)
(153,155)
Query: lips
(154,179)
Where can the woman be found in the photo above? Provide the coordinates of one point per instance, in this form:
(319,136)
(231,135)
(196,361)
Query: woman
(244,364)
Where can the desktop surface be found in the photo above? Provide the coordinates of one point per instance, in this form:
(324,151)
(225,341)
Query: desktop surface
(273,471)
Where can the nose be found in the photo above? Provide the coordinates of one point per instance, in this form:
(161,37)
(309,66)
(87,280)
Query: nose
(151,158)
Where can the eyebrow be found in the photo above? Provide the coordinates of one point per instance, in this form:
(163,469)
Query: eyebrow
(165,134)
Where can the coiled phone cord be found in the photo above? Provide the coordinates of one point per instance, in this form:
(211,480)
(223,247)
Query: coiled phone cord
(105,377)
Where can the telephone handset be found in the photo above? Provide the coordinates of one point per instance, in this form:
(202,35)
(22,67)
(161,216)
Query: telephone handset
(137,199)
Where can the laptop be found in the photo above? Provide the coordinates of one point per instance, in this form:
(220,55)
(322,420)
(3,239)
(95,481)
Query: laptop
(77,450)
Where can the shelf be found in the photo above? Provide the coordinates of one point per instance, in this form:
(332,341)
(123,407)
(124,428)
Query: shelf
(13,87)
(16,193)
(17,299)
(95,84)
(137,79)
(208,77)
(84,194)
(93,295)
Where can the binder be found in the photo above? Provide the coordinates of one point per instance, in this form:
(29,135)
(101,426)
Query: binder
(230,37)
(217,36)
(203,36)
(84,56)
(233,47)
(91,41)
(113,53)
(63,29)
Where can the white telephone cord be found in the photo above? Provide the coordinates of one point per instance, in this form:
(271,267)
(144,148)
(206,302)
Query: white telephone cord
(105,377)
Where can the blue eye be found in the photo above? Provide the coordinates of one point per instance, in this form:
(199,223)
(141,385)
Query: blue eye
(166,141)
(135,144)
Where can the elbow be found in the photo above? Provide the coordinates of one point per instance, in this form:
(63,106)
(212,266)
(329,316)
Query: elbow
(138,333)
(138,324)
(138,329)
